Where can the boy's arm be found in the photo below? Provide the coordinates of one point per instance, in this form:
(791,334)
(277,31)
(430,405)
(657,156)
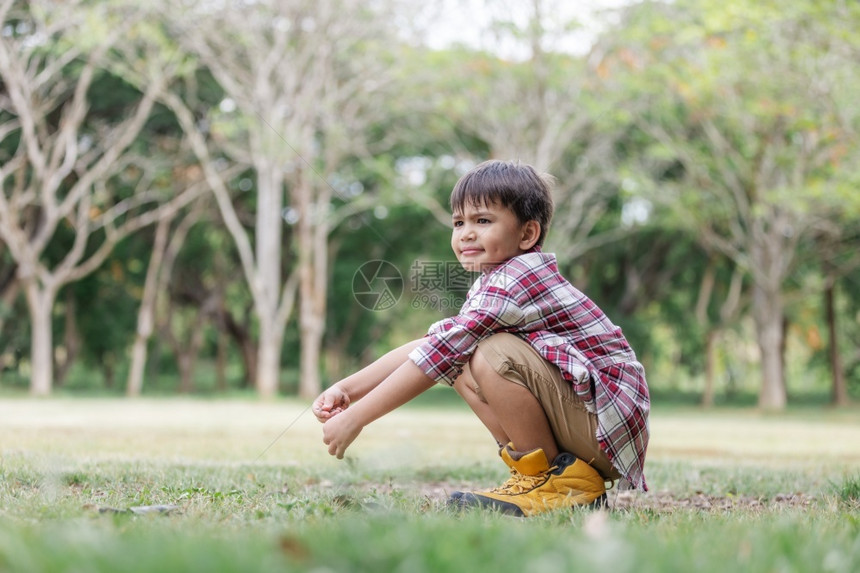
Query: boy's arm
(405,383)
(339,396)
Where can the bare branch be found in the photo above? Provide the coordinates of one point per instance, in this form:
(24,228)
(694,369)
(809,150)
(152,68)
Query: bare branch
(215,181)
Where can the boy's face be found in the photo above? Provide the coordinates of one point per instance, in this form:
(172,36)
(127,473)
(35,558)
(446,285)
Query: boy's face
(485,236)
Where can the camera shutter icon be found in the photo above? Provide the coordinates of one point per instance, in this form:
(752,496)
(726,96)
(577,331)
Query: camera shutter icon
(377,285)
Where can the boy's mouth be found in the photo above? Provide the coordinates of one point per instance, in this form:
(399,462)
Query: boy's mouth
(470,251)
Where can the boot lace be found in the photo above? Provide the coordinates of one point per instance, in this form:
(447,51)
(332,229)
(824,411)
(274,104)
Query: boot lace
(521,483)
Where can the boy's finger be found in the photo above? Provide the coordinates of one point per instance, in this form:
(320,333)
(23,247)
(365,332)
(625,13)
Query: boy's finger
(328,402)
(320,412)
(334,451)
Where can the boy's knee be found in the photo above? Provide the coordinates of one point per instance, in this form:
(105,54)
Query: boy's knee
(464,384)
(467,386)
(493,363)
(480,371)
(479,366)
(483,374)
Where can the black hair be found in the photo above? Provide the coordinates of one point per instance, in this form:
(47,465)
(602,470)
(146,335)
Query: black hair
(518,187)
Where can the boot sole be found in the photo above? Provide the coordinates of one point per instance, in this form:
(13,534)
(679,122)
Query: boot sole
(463,500)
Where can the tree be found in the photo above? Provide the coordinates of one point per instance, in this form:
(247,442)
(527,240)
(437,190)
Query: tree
(72,182)
(9,285)
(538,106)
(166,244)
(302,82)
(833,251)
(753,135)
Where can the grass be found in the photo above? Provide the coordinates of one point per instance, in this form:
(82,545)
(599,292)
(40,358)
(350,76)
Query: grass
(730,490)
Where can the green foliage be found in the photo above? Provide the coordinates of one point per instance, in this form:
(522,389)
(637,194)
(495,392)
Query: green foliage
(105,316)
(694,96)
(849,491)
(363,333)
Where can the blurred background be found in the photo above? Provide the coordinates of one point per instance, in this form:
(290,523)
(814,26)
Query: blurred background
(192,191)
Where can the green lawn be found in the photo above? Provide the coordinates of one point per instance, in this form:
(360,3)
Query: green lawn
(730,490)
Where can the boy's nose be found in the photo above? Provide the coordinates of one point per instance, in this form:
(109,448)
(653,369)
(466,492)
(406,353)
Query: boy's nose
(467,231)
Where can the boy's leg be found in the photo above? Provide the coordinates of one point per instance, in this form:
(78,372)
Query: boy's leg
(520,396)
(516,410)
(471,393)
(573,426)
(517,364)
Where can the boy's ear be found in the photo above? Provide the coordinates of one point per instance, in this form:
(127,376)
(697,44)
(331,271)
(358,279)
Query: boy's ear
(530,235)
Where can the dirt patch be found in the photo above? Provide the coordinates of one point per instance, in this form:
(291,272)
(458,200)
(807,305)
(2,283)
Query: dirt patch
(667,502)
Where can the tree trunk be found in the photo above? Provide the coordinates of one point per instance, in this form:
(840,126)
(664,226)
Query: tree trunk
(839,395)
(40,302)
(221,361)
(134,385)
(268,361)
(267,291)
(310,259)
(240,333)
(146,312)
(7,299)
(312,329)
(706,288)
(710,349)
(768,314)
(313,281)
(186,360)
(153,358)
(249,358)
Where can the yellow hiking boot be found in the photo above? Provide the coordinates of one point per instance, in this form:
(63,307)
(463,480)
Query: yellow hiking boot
(536,486)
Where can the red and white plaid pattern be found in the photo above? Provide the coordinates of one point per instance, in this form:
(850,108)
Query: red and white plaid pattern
(527,296)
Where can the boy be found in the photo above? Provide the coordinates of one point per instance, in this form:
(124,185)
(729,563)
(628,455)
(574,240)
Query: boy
(552,379)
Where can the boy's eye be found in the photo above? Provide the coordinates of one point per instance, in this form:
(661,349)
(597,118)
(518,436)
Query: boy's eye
(483,221)
(458,223)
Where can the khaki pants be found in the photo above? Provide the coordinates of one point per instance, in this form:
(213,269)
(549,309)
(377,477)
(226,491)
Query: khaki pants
(573,426)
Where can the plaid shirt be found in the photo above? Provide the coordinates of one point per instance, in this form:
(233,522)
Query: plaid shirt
(527,296)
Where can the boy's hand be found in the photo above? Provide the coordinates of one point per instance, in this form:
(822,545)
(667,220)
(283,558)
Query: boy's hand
(339,432)
(330,403)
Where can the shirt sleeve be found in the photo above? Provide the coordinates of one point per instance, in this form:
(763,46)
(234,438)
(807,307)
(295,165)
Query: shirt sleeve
(440,327)
(450,343)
